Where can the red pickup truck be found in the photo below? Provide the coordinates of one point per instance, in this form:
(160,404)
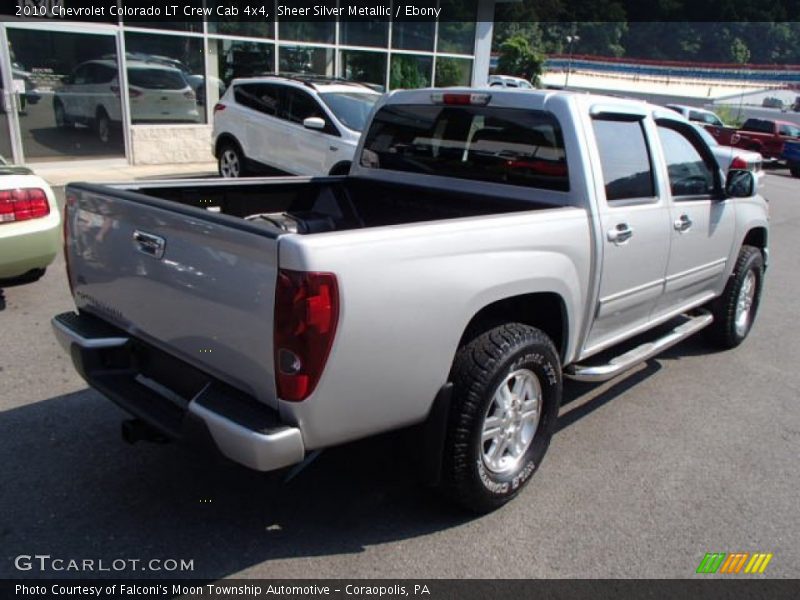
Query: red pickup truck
(766,136)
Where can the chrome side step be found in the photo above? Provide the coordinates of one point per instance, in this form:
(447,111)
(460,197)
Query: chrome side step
(624,362)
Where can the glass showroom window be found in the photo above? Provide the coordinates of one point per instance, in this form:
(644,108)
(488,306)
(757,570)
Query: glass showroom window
(453,71)
(458,36)
(410,71)
(365,32)
(368,67)
(258,29)
(307,31)
(229,59)
(166,78)
(413,35)
(306,59)
(67,94)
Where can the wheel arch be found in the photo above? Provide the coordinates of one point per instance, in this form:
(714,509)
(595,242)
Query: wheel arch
(341,168)
(546,311)
(756,236)
(224,138)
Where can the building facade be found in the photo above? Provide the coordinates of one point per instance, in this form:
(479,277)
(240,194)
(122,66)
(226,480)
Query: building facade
(144,92)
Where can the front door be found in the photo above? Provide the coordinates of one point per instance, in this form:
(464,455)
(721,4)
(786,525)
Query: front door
(635,227)
(702,223)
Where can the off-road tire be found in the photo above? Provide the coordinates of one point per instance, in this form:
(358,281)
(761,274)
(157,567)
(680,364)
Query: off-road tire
(480,367)
(723,332)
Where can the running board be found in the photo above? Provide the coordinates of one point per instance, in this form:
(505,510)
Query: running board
(624,362)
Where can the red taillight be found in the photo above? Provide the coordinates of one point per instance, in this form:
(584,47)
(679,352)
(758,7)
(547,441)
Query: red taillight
(23,205)
(306,315)
(219,107)
(739,163)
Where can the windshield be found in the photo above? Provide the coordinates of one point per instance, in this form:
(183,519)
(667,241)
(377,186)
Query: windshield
(351,108)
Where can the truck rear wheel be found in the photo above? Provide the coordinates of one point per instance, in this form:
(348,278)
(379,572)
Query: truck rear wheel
(735,311)
(506,396)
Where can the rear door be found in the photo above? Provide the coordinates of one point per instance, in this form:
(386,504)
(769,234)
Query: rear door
(199,285)
(256,125)
(635,227)
(702,223)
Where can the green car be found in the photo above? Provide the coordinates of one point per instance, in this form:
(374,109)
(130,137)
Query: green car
(30,224)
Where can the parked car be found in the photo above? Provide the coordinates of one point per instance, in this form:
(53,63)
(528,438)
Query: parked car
(698,115)
(91,96)
(772,102)
(729,157)
(293,124)
(508,81)
(484,245)
(765,136)
(30,224)
(791,154)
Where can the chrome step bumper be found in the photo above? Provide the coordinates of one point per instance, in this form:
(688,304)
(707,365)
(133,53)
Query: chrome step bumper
(625,362)
(218,415)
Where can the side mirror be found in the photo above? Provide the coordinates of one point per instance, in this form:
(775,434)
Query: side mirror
(740,184)
(314,123)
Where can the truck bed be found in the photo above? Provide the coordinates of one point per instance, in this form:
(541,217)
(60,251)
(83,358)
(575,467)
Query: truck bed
(321,205)
(191,266)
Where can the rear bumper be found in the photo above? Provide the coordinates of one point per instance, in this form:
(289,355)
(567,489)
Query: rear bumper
(171,396)
(30,246)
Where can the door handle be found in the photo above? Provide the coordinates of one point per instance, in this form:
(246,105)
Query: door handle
(333,148)
(620,234)
(147,243)
(683,223)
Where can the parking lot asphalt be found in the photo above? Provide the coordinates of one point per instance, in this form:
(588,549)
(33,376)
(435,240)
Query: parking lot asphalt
(697,451)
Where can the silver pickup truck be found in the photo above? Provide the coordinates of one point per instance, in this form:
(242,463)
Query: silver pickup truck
(484,246)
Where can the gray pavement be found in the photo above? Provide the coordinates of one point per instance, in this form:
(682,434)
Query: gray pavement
(697,451)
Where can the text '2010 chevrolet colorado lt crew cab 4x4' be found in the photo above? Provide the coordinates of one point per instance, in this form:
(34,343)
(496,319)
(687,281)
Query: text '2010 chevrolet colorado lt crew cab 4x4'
(484,245)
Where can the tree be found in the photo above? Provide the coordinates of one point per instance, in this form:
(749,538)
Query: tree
(405,73)
(449,73)
(519,59)
(740,53)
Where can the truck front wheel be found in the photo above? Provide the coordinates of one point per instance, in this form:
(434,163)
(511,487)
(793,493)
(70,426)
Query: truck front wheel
(735,311)
(506,396)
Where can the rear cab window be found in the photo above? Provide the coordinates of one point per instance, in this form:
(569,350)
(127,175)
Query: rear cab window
(499,145)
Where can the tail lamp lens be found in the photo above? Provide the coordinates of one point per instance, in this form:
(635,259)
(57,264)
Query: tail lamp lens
(23,204)
(739,163)
(218,107)
(306,316)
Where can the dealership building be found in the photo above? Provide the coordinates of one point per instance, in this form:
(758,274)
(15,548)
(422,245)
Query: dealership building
(143,92)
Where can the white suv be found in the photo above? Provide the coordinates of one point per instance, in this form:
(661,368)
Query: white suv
(91,96)
(297,125)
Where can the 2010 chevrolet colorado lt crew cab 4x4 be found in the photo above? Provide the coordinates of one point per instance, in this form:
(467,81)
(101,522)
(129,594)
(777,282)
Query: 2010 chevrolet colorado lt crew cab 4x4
(484,245)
